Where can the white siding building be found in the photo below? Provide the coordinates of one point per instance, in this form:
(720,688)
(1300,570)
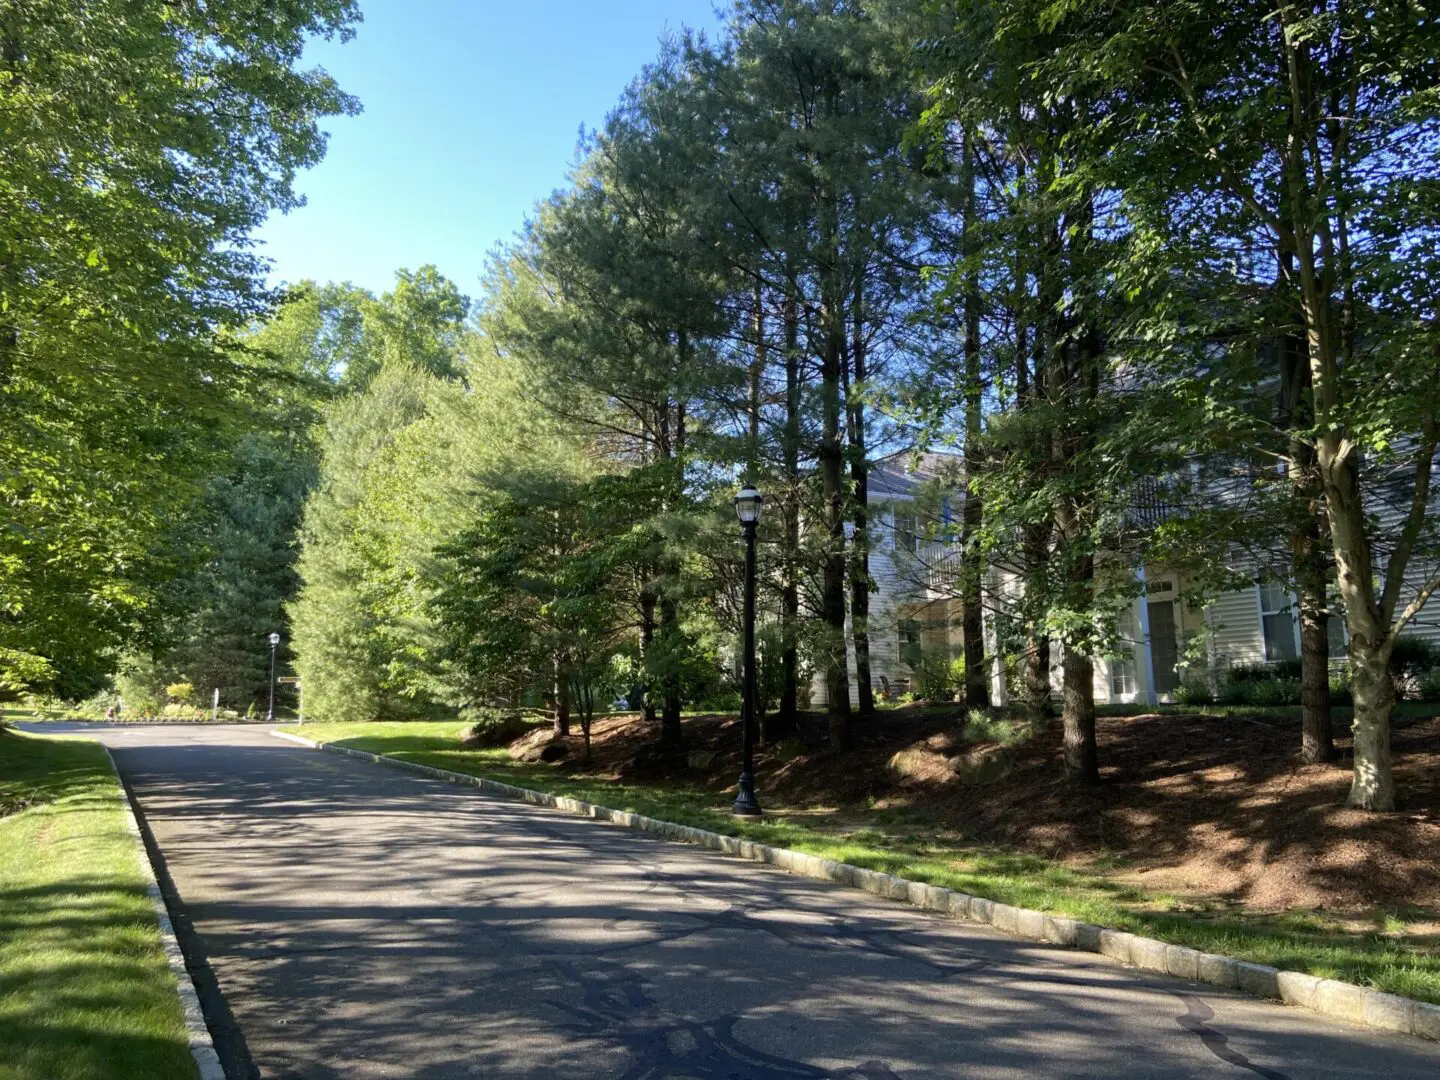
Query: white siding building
(915,610)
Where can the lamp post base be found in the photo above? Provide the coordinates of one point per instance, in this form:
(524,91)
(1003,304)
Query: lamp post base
(746,805)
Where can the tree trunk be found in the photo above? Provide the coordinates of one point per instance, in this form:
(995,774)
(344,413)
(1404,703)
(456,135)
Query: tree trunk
(562,704)
(1082,765)
(832,603)
(784,722)
(1308,562)
(1037,641)
(1372,787)
(972,568)
(671,737)
(647,643)
(1316,738)
(1037,673)
(757,371)
(860,496)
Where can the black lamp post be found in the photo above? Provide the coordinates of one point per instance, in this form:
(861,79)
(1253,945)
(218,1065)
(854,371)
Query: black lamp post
(274,641)
(747,508)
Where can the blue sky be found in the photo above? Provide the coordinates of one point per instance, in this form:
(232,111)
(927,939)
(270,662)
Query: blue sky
(471,113)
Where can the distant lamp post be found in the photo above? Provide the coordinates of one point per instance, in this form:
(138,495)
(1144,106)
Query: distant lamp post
(270,715)
(747,508)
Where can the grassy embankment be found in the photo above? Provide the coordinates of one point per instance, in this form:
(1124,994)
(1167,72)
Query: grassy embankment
(85,991)
(907,844)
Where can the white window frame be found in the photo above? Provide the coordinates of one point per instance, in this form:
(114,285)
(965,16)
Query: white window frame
(1291,608)
(913,532)
(1126,663)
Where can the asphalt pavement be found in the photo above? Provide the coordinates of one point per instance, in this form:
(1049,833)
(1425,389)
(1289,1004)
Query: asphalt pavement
(350,922)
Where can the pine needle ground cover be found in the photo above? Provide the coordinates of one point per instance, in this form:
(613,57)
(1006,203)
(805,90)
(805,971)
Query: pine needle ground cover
(936,836)
(85,991)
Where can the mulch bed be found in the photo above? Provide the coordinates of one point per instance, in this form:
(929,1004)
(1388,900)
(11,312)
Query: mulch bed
(1216,807)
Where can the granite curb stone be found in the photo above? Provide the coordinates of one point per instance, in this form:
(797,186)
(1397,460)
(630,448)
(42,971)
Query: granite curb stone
(1148,953)
(1297,988)
(1328,997)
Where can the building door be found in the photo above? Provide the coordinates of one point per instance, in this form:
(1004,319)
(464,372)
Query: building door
(1164,651)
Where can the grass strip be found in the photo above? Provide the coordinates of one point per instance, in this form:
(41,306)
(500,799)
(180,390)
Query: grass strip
(906,844)
(85,990)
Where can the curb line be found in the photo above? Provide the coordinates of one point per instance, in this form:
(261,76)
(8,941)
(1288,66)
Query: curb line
(1330,998)
(202,1046)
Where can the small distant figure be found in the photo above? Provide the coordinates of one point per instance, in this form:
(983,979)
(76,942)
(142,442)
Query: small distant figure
(119,708)
(110,713)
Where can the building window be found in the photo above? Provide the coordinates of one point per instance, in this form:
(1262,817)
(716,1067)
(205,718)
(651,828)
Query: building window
(1277,620)
(910,641)
(906,538)
(1122,677)
(1123,681)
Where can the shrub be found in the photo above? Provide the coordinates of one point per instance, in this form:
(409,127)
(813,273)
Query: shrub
(139,685)
(178,711)
(1276,669)
(180,692)
(1194,692)
(1414,654)
(1230,693)
(983,725)
(1411,661)
(1340,687)
(938,678)
(1272,692)
(1429,687)
(487,726)
(719,703)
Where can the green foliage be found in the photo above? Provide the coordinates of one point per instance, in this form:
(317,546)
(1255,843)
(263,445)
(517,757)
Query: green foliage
(938,676)
(180,693)
(140,684)
(984,726)
(123,124)
(1260,685)
(1278,691)
(486,726)
(1429,687)
(402,458)
(1194,692)
(1413,662)
(1241,674)
(1340,687)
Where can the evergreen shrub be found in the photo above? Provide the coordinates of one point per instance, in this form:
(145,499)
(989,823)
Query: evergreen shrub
(486,726)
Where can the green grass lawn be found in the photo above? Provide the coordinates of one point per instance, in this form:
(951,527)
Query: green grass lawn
(85,991)
(907,844)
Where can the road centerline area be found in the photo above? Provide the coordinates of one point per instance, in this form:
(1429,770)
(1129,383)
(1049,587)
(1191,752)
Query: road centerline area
(363,922)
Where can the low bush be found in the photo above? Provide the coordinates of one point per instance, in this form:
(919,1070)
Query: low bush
(1340,687)
(1412,662)
(990,726)
(177,711)
(715,703)
(486,726)
(1429,686)
(1255,673)
(1259,685)
(938,678)
(1194,692)
(1281,691)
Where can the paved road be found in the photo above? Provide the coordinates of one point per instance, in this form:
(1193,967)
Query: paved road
(365,923)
